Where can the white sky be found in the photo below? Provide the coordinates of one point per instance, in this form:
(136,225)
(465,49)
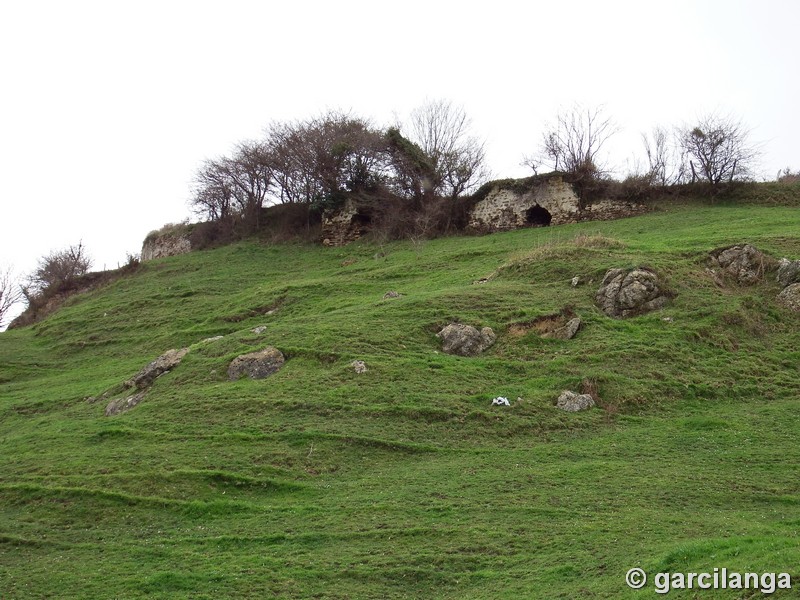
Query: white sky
(106,108)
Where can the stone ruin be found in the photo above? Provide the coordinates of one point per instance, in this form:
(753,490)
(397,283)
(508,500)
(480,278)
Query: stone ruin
(539,202)
(504,205)
(510,204)
(170,240)
(551,202)
(347,223)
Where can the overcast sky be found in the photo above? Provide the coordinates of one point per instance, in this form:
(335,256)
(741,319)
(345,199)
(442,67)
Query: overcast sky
(108,107)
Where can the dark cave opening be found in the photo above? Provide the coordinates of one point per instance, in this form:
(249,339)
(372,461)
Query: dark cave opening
(538,216)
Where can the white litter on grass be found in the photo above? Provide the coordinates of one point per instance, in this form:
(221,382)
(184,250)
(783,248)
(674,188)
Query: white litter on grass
(500,401)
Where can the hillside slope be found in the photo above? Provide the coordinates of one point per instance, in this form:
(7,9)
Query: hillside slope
(403,482)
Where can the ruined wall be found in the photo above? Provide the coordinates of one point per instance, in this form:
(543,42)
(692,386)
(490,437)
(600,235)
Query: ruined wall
(606,210)
(345,224)
(548,202)
(170,243)
(504,208)
(509,204)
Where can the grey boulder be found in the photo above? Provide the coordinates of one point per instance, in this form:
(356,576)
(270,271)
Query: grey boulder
(743,263)
(573,402)
(465,340)
(626,293)
(788,272)
(790,297)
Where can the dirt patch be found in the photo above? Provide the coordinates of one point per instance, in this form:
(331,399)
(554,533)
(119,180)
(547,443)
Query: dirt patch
(589,387)
(256,311)
(543,325)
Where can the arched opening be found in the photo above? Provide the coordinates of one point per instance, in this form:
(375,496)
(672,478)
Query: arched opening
(361,221)
(538,216)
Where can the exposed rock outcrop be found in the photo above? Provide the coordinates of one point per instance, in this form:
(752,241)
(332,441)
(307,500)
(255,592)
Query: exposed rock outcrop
(120,405)
(573,402)
(626,293)
(465,340)
(359,366)
(744,263)
(167,361)
(142,382)
(256,365)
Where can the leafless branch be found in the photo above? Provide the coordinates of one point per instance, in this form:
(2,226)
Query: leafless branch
(574,142)
(10,294)
(442,131)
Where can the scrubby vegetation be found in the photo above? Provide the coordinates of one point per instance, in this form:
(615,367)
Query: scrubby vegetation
(60,275)
(322,161)
(403,481)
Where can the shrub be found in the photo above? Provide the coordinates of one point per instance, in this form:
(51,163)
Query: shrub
(788,177)
(57,272)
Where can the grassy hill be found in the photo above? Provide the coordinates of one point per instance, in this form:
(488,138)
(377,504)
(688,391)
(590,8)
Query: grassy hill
(403,482)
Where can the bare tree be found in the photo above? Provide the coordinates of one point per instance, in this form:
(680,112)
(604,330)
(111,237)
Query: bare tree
(212,190)
(442,131)
(665,164)
(292,160)
(250,175)
(718,149)
(321,159)
(57,271)
(10,294)
(573,143)
(235,185)
(350,153)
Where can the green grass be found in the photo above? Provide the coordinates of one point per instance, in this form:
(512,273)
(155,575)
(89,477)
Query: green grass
(404,482)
